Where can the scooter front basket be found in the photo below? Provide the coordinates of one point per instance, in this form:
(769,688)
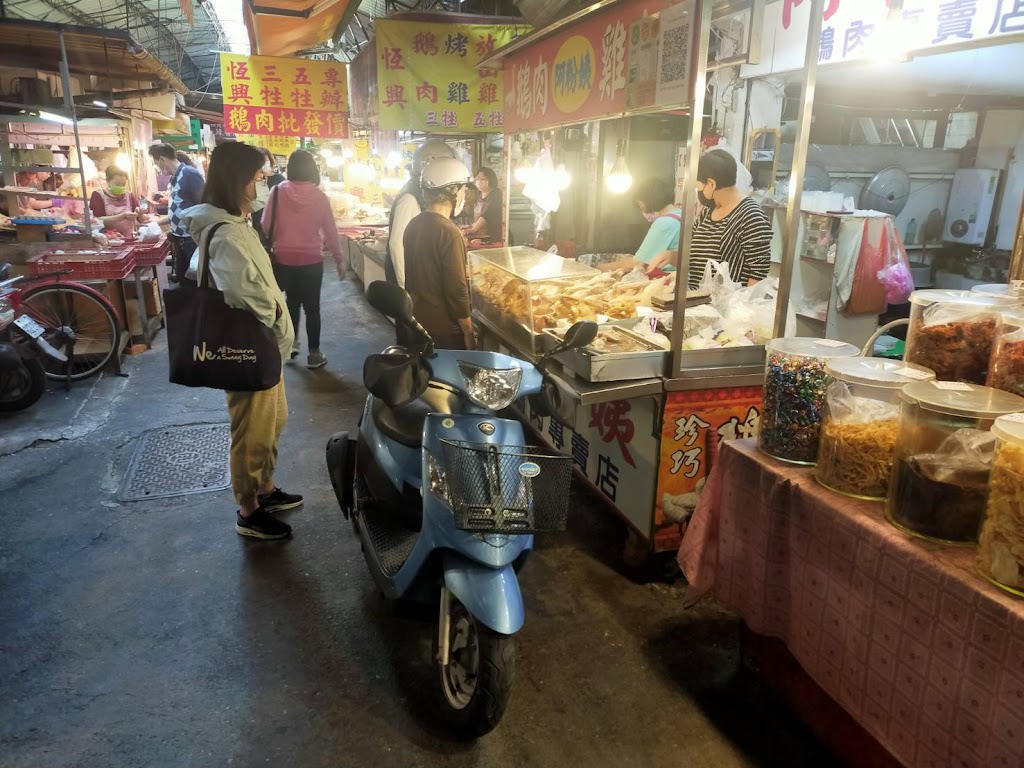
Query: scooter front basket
(507,488)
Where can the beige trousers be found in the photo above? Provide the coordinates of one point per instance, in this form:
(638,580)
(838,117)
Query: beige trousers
(257,419)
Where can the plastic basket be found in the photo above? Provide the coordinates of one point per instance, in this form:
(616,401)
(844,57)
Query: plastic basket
(86,264)
(152,254)
(507,488)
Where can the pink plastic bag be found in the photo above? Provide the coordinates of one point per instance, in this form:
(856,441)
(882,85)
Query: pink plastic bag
(895,276)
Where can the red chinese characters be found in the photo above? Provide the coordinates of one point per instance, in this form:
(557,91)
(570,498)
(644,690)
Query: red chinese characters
(613,423)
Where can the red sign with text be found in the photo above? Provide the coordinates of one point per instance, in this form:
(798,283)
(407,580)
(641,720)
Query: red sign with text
(583,72)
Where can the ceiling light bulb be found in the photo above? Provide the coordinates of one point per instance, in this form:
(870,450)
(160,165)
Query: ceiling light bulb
(100,104)
(524,171)
(619,179)
(123,162)
(562,178)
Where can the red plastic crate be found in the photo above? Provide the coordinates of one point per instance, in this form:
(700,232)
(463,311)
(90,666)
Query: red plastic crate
(152,254)
(86,264)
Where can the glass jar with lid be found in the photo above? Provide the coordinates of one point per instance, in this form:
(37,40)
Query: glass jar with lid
(944,451)
(951,332)
(860,424)
(1006,365)
(1001,544)
(795,380)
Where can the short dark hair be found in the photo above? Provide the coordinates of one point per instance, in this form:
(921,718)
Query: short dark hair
(718,166)
(183,158)
(112,171)
(492,177)
(302,167)
(166,151)
(232,166)
(654,193)
(435,195)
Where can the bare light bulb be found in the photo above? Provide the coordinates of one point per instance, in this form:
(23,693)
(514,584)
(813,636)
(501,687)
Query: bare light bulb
(619,179)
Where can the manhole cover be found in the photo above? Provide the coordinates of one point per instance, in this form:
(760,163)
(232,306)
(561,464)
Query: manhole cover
(175,461)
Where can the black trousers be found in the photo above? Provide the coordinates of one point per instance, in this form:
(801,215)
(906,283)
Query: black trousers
(301,286)
(182,249)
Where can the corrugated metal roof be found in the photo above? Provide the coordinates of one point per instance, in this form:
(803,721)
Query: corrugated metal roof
(159,26)
(110,54)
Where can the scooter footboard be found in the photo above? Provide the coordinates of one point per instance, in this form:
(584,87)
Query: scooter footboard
(492,595)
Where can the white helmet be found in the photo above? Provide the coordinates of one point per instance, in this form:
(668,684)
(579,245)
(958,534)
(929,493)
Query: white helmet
(429,151)
(444,172)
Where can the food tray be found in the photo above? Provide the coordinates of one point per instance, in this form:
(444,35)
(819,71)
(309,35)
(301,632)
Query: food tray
(152,254)
(643,359)
(86,264)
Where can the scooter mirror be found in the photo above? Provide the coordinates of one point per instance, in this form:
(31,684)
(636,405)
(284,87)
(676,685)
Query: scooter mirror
(391,300)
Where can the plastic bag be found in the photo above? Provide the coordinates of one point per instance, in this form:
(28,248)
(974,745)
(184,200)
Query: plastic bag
(846,408)
(896,277)
(965,451)
(867,295)
(149,232)
(718,283)
(750,311)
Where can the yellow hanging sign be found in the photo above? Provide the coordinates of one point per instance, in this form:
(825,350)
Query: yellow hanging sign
(428,79)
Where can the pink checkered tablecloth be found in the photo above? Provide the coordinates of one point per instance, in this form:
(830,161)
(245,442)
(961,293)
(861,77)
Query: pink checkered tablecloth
(904,635)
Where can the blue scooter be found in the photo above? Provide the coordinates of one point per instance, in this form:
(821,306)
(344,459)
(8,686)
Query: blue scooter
(445,498)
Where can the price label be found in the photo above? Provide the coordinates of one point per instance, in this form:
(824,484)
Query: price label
(913,373)
(953,386)
(830,343)
(1018,417)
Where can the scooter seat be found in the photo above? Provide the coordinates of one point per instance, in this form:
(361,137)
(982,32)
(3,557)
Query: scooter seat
(405,425)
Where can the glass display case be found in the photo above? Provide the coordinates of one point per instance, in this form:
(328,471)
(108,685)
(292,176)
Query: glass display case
(522,291)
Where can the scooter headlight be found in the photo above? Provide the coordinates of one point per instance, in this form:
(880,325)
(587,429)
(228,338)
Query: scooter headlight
(493,388)
(437,480)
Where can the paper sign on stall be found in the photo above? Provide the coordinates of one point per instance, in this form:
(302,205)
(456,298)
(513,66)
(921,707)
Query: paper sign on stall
(427,76)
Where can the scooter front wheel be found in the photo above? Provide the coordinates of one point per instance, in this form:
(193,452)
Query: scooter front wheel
(476,669)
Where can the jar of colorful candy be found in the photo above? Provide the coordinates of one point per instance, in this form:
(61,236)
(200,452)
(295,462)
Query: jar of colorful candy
(795,380)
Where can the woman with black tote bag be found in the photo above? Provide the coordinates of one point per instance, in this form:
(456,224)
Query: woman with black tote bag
(233,259)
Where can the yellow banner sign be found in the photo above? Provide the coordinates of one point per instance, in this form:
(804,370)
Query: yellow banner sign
(427,77)
(269,95)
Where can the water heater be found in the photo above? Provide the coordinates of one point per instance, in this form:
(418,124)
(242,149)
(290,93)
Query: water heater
(970,206)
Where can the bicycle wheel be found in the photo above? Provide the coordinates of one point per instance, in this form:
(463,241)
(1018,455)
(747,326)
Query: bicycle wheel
(80,322)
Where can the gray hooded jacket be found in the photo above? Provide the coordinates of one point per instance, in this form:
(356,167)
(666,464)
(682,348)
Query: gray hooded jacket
(241,269)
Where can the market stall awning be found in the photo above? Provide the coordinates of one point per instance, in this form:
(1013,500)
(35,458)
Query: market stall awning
(110,54)
(282,27)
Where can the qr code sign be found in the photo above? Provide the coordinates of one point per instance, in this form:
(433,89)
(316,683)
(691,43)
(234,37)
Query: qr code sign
(675,54)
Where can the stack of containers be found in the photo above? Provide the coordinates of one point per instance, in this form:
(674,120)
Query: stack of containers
(794,394)
(860,424)
(944,452)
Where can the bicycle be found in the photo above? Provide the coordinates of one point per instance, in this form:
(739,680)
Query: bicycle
(76,320)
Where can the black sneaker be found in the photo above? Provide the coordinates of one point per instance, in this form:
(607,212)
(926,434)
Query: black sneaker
(279,501)
(262,525)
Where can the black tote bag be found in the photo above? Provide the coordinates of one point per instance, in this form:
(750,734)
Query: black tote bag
(213,345)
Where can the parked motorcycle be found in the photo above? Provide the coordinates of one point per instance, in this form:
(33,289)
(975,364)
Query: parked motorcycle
(445,498)
(22,375)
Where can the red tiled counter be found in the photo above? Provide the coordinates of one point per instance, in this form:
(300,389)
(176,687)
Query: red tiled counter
(904,635)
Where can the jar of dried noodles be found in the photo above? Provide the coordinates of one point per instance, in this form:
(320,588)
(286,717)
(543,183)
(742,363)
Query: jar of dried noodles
(794,394)
(951,332)
(861,422)
(1006,366)
(944,453)
(1001,544)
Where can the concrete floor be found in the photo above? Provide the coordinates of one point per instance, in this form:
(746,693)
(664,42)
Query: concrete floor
(150,634)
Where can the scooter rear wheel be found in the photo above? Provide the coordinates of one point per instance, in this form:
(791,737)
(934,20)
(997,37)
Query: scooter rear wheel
(476,680)
(21,387)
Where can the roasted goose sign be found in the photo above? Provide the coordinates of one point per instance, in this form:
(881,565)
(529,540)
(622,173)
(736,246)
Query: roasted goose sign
(635,55)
